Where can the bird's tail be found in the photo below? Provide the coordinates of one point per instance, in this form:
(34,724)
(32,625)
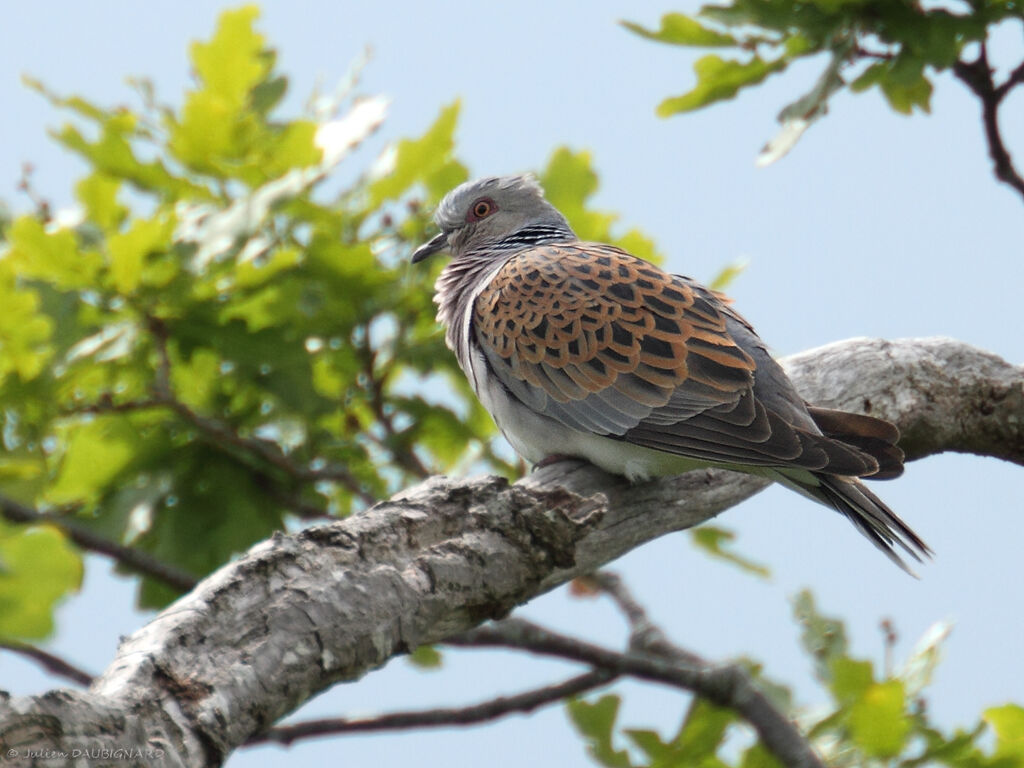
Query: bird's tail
(867,512)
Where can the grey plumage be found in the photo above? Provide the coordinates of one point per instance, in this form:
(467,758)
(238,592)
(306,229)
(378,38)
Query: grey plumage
(581,349)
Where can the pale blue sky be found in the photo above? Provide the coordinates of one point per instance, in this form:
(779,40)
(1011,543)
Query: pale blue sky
(876,225)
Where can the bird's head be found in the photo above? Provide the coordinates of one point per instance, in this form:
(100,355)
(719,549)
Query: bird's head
(477,216)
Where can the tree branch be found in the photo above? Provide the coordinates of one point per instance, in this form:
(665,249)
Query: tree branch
(52,663)
(133,559)
(302,612)
(433,718)
(977,76)
(727,686)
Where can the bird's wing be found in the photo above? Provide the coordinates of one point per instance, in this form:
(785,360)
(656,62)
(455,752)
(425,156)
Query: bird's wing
(604,342)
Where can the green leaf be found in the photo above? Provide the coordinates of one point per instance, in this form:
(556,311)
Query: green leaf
(822,637)
(417,160)
(903,97)
(678,29)
(1008,723)
(195,381)
(869,77)
(595,721)
(902,81)
(878,722)
(720,79)
(53,257)
(128,250)
(426,657)
(702,732)
(268,94)
(758,756)
(25,330)
(112,154)
(727,275)
(569,181)
(232,64)
(216,495)
(37,568)
(98,193)
(206,132)
(96,453)
(715,542)
(439,430)
(850,679)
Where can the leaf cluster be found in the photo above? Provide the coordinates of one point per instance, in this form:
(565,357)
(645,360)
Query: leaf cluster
(894,46)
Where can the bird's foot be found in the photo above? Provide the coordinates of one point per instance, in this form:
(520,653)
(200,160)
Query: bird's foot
(554,458)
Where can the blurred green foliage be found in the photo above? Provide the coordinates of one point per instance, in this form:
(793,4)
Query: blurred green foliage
(224,337)
(896,46)
(873,718)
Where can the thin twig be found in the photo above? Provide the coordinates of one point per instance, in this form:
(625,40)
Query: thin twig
(134,559)
(438,718)
(50,662)
(726,686)
(977,76)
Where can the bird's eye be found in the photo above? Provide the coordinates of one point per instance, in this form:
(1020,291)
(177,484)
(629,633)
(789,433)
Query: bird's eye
(481,209)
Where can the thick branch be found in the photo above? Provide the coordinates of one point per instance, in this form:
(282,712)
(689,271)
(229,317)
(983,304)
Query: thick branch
(301,612)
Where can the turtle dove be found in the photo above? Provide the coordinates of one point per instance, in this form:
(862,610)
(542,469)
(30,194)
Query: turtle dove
(580,349)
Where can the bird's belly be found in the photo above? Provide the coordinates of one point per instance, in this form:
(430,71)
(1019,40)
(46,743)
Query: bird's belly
(535,437)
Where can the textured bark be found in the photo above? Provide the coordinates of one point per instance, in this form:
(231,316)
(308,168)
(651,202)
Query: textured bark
(301,612)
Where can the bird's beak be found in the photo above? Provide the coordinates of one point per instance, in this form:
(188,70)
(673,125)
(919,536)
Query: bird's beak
(438,242)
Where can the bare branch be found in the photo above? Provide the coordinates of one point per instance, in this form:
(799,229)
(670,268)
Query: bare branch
(301,612)
(52,663)
(134,559)
(434,718)
(727,686)
(977,75)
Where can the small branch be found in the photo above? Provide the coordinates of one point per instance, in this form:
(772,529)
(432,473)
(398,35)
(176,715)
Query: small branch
(440,718)
(728,686)
(222,434)
(645,635)
(864,53)
(136,560)
(1015,78)
(106,404)
(408,460)
(977,76)
(44,211)
(50,662)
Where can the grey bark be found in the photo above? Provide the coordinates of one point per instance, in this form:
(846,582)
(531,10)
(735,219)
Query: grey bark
(301,612)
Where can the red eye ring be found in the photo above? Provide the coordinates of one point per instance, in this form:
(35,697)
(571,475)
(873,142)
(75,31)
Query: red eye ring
(481,209)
